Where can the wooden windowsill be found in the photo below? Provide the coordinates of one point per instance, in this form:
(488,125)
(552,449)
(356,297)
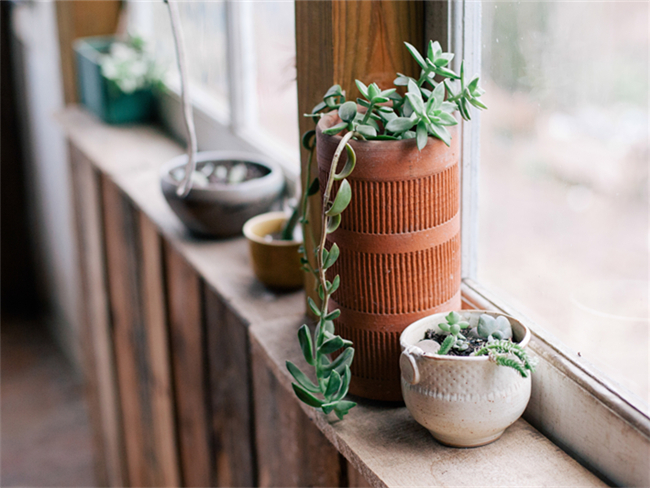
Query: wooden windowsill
(383,443)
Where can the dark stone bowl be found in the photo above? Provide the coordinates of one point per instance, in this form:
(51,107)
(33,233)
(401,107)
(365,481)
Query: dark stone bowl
(220,210)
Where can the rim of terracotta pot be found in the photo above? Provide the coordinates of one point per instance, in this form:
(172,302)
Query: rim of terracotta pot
(404,152)
(253,236)
(432,321)
(215,156)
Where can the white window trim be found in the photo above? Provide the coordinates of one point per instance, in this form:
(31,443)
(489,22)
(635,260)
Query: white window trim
(231,126)
(572,403)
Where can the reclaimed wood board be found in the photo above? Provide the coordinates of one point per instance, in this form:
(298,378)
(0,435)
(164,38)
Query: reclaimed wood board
(95,333)
(230,378)
(189,365)
(291,451)
(165,471)
(122,256)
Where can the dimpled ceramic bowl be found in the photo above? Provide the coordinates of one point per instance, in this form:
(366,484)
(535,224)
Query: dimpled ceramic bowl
(462,401)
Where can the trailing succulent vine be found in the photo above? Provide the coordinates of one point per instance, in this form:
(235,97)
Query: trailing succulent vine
(491,336)
(424,110)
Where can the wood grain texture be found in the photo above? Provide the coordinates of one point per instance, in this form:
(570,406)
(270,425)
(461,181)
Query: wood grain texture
(291,451)
(185,301)
(120,230)
(337,42)
(81,19)
(388,448)
(355,478)
(369,41)
(165,469)
(230,377)
(95,334)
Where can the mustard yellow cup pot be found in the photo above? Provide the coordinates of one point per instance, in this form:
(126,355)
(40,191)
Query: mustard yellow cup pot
(276,263)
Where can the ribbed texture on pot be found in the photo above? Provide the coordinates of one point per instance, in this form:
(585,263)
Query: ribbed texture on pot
(400,249)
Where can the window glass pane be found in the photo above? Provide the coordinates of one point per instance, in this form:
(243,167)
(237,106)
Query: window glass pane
(275,63)
(204,31)
(564,174)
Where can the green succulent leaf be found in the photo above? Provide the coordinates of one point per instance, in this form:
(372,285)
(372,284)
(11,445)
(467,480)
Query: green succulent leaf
(446,119)
(335,129)
(416,55)
(349,164)
(333,315)
(334,91)
(342,199)
(302,378)
(443,60)
(343,360)
(434,51)
(334,385)
(332,256)
(328,326)
(421,135)
(306,397)
(363,89)
(313,307)
(343,407)
(318,107)
(373,91)
(440,132)
(333,223)
(401,80)
(348,111)
(331,345)
(448,73)
(334,285)
(446,345)
(304,337)
(453,317)
(477,103)
(400,124)
(308,140)
(345,383)
(367,130)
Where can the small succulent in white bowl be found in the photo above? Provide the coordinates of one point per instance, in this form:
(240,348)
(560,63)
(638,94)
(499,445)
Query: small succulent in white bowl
(466,375)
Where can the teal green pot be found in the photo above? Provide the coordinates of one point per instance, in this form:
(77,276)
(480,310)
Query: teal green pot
(101,96)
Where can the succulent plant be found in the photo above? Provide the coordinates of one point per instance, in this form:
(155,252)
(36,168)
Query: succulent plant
(379,114)
(425,110)
(507,353)
(455,339)
(491,328)
(496,331)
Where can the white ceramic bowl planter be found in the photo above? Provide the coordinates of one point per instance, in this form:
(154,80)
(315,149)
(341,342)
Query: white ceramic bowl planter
(463,401)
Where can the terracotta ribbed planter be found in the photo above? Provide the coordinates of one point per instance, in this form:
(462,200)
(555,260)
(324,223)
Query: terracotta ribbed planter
(400,249)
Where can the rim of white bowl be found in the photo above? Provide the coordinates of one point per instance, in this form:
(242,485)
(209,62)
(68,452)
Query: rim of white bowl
(435,357)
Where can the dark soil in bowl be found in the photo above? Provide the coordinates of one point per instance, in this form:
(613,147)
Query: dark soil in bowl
(474,343)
